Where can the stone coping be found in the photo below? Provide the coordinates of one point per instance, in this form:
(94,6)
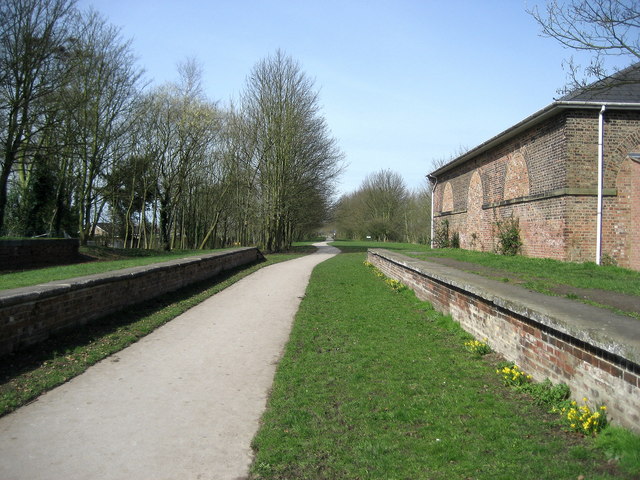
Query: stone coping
(611,332)
(44,290)
(21,242)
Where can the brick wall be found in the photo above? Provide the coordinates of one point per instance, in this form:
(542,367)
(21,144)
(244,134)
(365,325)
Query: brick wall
(37,253)
(595,352)
(30,314)
(546,176)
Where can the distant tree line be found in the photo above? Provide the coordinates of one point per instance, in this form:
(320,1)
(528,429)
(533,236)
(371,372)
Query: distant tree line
(84,142)
(384,209)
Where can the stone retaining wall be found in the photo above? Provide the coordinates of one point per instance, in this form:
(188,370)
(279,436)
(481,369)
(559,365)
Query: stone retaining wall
(595,352)
(30,314)
(37,253)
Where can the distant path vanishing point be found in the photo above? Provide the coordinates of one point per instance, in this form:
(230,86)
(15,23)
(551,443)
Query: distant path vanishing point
(182,403)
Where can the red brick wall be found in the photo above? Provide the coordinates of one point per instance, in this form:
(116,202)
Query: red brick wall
(516,182)
(30,314)
(621,136)
(516,178)
(539,348)
(476,234)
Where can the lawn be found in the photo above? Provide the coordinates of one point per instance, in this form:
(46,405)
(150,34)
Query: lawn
(105,260)
(353,246)
(376,384)
(584,282)
(108,259)
(542,274)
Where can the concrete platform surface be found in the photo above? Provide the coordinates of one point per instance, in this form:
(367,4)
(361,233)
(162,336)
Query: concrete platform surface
(182,403)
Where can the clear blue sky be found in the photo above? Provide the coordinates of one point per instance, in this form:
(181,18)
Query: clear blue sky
(401,81)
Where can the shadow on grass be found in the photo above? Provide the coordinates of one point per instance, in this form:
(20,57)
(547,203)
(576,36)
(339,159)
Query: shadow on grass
(348,249)
(92,341)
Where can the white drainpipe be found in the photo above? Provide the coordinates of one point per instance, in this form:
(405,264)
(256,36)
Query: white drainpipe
(433,191)
(600,180)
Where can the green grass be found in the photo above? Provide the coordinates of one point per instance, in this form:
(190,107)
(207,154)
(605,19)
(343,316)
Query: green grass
(542,273)
(309,241)
(353,246)
(27,374)
(623,446)
(375,384)
(123,259)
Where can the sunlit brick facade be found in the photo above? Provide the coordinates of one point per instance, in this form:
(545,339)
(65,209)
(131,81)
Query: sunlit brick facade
(543,171)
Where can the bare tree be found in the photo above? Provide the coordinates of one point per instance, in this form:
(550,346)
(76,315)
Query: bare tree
(295,159)
(385,195)
(100,96)
(33,41)
(181,127)
(603,28)
(439,162)
(417,214)
(349,216)
(384,209)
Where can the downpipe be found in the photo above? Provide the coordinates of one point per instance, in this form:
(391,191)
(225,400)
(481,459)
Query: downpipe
(600,184)
(434,181)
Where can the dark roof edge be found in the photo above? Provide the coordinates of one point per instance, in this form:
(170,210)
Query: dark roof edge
(532,120)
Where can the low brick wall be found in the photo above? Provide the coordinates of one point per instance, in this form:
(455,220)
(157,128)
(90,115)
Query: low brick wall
(30,314)
(595,352)
(37,253)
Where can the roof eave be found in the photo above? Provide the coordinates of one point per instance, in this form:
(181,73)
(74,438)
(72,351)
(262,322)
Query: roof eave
(549,111)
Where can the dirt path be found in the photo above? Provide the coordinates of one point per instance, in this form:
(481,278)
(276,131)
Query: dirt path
(182,403)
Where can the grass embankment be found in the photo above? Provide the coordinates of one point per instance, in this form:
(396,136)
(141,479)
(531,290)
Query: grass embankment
(352,246)
(585,282)
(543,274)
(540,274)
(99,260)
(376,384)
(27,374)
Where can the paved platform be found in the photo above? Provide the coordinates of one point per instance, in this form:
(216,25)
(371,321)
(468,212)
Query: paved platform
(182,403)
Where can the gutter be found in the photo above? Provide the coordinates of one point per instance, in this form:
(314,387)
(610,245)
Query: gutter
(600,184)
(538,117)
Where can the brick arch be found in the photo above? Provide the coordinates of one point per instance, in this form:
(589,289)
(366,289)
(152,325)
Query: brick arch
(623,240)
(447,198)
(477,235)
(516,181)
(631,143)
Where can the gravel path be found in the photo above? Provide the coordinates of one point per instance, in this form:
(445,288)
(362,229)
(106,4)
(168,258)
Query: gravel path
(182,403)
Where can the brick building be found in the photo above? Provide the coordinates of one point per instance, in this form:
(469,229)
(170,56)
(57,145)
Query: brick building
(544,172)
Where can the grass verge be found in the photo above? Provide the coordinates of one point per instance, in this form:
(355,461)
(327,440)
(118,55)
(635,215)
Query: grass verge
(376,384)
(542,274)
(27,374)
(353,246)
(101,260)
